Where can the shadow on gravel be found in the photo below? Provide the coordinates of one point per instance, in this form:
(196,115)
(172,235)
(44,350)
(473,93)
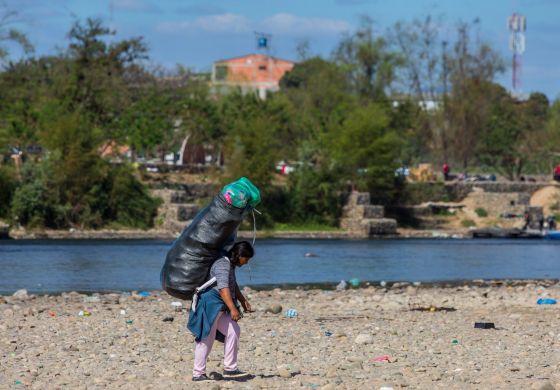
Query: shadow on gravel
(434,308)
(219,377)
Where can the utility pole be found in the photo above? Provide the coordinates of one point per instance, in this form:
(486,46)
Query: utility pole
(517,24)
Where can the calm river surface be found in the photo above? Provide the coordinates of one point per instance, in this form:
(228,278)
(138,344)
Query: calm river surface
(124,265)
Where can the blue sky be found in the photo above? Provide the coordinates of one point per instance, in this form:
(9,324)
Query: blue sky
(195,33)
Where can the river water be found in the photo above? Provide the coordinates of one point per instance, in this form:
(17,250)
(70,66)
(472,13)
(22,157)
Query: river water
(54,266)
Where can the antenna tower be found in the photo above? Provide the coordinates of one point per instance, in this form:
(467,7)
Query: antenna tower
(517,25)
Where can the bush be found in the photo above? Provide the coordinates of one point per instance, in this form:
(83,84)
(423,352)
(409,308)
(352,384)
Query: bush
(481,212)
(129,203)
(417,193)
(36,203)
(8,185)
(113,195)
(314,197)
(467,223)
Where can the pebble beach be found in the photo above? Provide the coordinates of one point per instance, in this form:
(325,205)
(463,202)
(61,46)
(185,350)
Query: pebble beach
(400,336)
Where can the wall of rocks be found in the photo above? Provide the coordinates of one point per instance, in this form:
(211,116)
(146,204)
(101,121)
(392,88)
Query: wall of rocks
(180,205)
(362,220)
(460,190)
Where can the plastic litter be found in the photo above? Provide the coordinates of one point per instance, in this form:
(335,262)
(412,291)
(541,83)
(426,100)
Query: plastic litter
(484,325)
(454,341)
(328,333)
(84,313)
(291,313)
(341,286)
(385,388)
(168,319)
(129,322)
(546,301)
(12,354)
(382,358)
(123,312)
(91,299)
(178,306)
(355,282)
(51,313)
(144,294)
(17,382)
(383,283)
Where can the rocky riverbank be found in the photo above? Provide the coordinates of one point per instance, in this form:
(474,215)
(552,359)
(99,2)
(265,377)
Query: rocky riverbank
(403,336)
(161,234)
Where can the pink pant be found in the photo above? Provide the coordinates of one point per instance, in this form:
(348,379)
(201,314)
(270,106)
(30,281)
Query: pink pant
(231,331)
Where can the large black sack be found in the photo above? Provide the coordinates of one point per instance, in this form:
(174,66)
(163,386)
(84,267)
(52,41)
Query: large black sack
(189,260)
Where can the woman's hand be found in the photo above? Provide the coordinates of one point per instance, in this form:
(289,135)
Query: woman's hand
(247,306)
(235,315)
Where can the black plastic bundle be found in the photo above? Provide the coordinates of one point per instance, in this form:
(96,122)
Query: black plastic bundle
(189,260)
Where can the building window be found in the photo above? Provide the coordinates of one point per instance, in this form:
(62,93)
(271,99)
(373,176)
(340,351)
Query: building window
(262,67)
(221,72)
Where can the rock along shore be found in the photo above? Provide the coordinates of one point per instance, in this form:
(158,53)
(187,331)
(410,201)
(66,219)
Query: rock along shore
(161,234)
(403,336)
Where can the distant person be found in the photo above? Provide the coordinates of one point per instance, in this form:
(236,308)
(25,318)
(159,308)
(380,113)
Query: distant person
(551,220)
(541,222)
(557,173)
(527,219)
(445,169)
(217,312)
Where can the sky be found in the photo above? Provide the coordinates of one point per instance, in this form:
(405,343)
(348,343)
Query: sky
(195,33)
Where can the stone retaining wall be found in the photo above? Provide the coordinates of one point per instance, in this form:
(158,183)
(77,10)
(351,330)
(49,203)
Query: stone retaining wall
(460,190)
(180,204)
(361,219)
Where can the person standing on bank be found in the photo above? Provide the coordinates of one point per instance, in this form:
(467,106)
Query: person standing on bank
(216,314)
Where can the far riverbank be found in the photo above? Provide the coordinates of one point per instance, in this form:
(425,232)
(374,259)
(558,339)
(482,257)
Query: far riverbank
(160,234)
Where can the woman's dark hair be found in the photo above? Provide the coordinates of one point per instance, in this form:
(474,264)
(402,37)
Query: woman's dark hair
(240,249)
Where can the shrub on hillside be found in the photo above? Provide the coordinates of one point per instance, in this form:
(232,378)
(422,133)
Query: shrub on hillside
(481,212)
(112,195)
(7,187)
(314,196)
(129,203)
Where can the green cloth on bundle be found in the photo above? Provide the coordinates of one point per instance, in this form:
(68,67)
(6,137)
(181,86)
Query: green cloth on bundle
(242,192)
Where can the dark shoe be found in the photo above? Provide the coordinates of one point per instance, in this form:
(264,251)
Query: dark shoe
(202,378)
(235,374)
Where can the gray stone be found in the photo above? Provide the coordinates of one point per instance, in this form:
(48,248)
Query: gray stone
(545,385)
(363,339)
(21,294)
(284,371)
(274,309)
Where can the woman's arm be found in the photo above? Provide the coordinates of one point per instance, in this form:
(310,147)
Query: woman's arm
(225,294)
(244,302)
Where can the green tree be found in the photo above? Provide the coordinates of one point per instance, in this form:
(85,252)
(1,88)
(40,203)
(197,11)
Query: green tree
(551,138)
(251,146)
(146,124)
(368,151)
(321,99)
(314,196)
(367,61)
(473,64)
(7,189)
(11,34)
(499,142)
(99,74)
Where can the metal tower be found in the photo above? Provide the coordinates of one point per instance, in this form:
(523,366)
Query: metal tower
(517,25)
